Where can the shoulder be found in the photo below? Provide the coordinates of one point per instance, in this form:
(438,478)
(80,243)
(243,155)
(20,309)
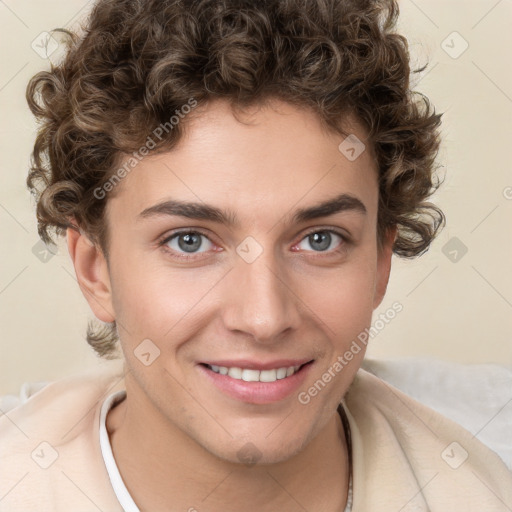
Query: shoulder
(49,443)
(437,462)
(57,408)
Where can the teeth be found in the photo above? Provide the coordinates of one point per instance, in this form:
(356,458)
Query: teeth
(268,375)
(248,375)
(236,373)
(283,372)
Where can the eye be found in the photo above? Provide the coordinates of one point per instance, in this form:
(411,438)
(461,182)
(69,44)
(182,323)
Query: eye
(187,242)
(323,240)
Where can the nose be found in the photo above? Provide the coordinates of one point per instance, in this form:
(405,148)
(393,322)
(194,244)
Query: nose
(260,300)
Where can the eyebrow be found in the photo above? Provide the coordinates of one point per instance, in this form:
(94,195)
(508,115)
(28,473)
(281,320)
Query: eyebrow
(202,211)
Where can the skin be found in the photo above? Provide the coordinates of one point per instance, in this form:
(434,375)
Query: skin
(175,438)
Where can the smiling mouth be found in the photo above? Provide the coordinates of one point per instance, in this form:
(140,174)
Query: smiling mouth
(252,375)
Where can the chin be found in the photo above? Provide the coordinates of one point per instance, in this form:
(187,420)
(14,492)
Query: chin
(258,451)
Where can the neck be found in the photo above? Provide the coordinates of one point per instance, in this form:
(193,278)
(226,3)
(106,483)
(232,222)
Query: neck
(168,467)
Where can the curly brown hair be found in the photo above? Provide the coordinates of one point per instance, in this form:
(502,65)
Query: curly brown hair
(139,60)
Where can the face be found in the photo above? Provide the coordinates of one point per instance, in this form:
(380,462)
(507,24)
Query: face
(220,260)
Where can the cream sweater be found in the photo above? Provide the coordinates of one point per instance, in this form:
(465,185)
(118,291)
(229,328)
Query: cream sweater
(406,457)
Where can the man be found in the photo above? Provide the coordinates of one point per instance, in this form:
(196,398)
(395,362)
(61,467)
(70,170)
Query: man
(233,178)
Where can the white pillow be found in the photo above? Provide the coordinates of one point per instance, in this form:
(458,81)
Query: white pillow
(476,396)
(8,402)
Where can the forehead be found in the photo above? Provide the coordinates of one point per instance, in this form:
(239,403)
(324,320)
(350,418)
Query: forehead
(270,159)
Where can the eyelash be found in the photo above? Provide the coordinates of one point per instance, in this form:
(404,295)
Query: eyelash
(180,256)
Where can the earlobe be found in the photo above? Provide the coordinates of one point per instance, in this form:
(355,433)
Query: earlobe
(384,266)
(92,274)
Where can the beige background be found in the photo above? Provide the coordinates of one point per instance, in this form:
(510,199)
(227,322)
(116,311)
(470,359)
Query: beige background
(457,311)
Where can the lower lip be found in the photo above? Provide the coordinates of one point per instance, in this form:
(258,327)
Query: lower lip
(257,392)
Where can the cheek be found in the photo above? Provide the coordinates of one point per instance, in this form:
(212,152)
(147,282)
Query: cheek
(342,299)
(160,302)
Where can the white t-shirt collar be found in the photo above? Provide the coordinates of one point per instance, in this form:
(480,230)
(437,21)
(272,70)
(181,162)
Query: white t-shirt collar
(122,494)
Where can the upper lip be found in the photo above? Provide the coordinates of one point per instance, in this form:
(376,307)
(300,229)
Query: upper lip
(257,365)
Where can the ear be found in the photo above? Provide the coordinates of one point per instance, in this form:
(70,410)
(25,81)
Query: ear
(384,265)
(92,274)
